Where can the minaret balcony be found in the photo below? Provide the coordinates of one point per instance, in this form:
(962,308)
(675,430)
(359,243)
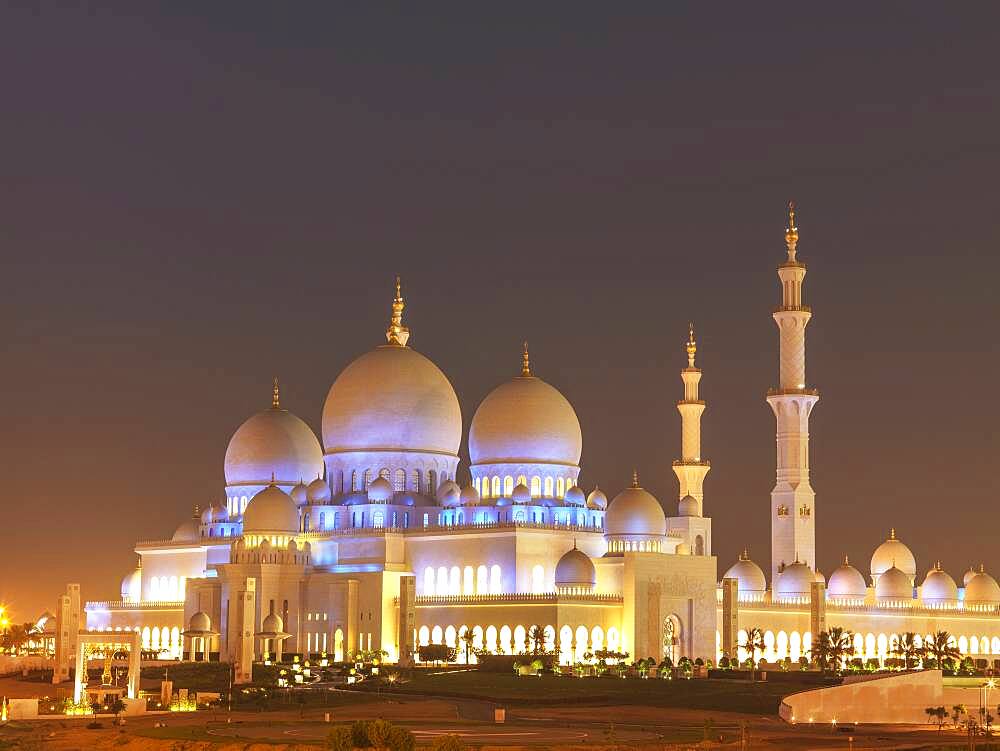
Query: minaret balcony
(691,463)
(803,391)
(793,309)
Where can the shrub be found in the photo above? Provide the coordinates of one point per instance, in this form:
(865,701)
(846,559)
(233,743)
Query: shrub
(436,653)
(378,733)
(340,739)
(400,739)
(448,743)
(359,734)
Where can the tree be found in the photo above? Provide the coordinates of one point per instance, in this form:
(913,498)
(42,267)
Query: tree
(957,710)
(340,739)
(909,650)
(831,648)
(941,647)
(448,743)
(537,638)
(116,706)
(939,714)
(468,639)
(754,643)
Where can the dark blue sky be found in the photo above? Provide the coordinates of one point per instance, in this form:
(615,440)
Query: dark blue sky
(196,198)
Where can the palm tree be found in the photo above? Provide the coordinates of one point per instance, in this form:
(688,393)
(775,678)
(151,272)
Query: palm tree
(537,638)
(754,644)
(941,648)
(907,648)
(831,648)
(939,714)
(468,638)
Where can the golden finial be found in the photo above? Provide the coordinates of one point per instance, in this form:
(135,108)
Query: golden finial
(635,478)
(273,482)
(892,533)
(525,361)
(791,232)
(745,555)
(692,345)
(197,511)
(397,333)
(846,562)
(275,395)
(982,568)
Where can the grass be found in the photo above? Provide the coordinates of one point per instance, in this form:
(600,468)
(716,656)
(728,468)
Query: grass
(716,694)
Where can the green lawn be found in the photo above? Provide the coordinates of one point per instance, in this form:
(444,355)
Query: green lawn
(720,695)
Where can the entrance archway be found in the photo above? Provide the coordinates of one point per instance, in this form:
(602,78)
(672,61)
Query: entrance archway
(671,638)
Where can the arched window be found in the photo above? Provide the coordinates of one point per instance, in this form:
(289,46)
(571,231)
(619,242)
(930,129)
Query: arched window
(145,637)
(536,486)
(475,484)
(508,486)
(243,503)
(491,638)
(154,589)
(506,644)
(495,491)
(451,636)
(378,519)
(560,488)
(432,485)
(455,581)
(597,638)
(384,473)
(496,583)
(425,636)
(368,478)
(428,581)
(437,635)
(155,643)
(482,580)
(537,579)
(322,520)
(172,588)
(519,515)
(549,488)
(355,484)
(399,484)
(416,481)
(520,638)
(442,581)
(468,581)
(699,545)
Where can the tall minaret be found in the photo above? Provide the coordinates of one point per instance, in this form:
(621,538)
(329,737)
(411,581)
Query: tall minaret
(793,512)
(691,468)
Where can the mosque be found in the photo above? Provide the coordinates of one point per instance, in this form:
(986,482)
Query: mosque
(366,541)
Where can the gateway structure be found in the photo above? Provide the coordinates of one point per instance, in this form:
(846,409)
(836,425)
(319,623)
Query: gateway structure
(368,542)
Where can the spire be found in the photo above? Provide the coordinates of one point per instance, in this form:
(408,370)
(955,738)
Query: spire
(635,478)
(525,362)
(791,233)
(892,533)
(397,333)
(745,555)
(273,482)
(692,345)
(275,395)
(846,562)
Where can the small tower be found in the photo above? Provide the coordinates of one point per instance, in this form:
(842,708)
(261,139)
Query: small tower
(793,518)
(687,520)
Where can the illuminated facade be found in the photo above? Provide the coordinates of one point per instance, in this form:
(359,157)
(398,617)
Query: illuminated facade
(368,542)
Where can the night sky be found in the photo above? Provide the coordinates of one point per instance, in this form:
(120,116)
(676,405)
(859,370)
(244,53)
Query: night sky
(194,198)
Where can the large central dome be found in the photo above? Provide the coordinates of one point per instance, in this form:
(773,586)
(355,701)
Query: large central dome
(392,399)
(525,420)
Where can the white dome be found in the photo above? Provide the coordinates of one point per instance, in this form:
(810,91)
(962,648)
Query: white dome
(469,496)
(847,581)
(318,492)
(132,585)
(525,420)
(967,576)
(635,511)
(894,584)
(575,569)
(379,490)
(272,624)
(938,587)
(521,494)
(688,506)
(272,444)
(200,622)
(597,499)
(189,530)
(748,574)
(271,510)
(449,494)
(575,497)
(795,581)
(392,398)
(982,589)
(892,553)
(300,494)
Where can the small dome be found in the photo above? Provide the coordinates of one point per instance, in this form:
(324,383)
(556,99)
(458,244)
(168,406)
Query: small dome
(688,506)
(469,496)
(597,499)
(525,420)
(574,497)
(318,492)
(982,589)
(189,530)
(575,569)
(967,576)
(208,514)
(682,549)
(893,553)
(449,494)
(272,624)
(379,490)
(132,585)
(818,576)
(271,510)
(938,587)
(748,574)
(300,493)
(200,622)
(635,511)
(847,581)
(894,584)
(795,581)
(521,494)
(272,443)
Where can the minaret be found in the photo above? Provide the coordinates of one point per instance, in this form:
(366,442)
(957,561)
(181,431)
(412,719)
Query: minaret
(691,468)
(793,518)
(397,333)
